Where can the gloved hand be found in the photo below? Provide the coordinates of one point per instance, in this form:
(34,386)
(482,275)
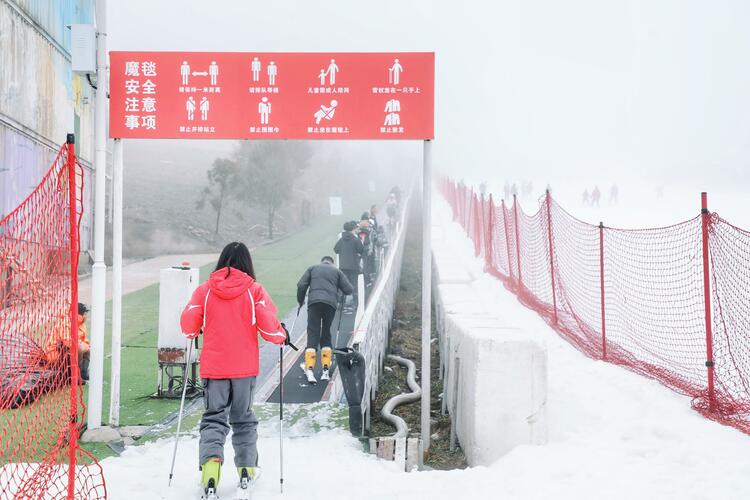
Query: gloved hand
(191,336)
(286,340)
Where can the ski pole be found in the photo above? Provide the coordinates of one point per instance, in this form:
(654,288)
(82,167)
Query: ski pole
(281,402)
(338,327)
(182,407)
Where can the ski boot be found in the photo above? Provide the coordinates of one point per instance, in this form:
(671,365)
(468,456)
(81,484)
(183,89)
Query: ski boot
(309,366)
(248,477)
(210,474)
(325,360)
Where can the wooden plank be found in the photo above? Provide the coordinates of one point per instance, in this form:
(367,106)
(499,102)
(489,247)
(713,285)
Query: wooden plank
(387,446)
(399,455)
(373,446)
(412,454)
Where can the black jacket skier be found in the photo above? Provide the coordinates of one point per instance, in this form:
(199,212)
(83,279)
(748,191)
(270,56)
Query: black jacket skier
(324,281)
(350,249)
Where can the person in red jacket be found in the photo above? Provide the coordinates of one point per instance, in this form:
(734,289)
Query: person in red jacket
(231,309)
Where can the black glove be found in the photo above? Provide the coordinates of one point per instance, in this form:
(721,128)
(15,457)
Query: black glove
(286,340)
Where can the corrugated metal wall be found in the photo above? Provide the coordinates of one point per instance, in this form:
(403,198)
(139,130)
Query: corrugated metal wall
(41,100)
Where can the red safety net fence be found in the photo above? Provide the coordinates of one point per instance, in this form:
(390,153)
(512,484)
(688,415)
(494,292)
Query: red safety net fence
(671,303)
(41,400)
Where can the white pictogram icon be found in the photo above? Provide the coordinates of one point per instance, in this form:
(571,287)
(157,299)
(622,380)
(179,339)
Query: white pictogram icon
(322,77)
(394,72)
(272,72)
(392,110)
(213,72)
(204,108)
(185,72)
(326,112)
(190,107)
(331,72)
(264,109)
(255,67)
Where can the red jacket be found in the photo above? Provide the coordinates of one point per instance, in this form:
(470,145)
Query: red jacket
(232,309)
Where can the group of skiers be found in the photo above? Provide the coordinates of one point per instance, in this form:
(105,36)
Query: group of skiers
(232,311)
(593,198)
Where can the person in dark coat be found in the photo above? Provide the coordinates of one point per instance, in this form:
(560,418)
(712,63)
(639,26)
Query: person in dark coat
(323,281)
(350,251)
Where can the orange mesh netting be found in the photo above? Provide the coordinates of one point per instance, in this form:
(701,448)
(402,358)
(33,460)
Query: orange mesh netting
(41,401)
(636,298)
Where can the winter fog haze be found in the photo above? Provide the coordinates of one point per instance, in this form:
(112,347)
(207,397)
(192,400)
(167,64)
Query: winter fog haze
(571,94)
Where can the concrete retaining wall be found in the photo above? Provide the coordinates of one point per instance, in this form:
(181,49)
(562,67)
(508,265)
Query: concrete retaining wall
(494,375)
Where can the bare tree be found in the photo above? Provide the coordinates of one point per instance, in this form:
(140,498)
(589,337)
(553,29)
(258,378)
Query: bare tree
(221,180)
(267,173)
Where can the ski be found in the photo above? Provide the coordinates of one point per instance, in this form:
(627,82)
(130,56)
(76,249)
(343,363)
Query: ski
(309,374)
(244,490)
(209,492)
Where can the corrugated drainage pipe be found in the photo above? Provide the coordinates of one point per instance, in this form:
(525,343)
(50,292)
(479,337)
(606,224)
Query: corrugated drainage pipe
(401,428)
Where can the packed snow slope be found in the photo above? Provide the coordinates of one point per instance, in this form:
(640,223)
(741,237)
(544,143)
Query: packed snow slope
(613,434)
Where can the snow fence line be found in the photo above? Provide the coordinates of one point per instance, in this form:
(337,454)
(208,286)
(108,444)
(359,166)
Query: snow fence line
(494,376)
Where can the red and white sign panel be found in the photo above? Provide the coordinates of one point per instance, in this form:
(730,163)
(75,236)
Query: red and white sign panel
(234,95)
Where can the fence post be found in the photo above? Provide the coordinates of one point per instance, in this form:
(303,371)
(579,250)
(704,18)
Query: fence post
(601,286)
(73,312)
(518,243)
(705,221)
(507,239)
(551,258)
(478,216)
(489,243)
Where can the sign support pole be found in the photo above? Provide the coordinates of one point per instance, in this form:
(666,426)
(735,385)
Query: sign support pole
(426,294)
(117,182)
(99,272)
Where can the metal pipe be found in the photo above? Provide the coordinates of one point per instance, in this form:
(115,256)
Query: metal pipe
(99,271)
(426,294)
(117,183)
(402,430)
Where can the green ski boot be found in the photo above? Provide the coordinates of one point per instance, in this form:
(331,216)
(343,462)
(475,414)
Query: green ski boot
(210,475)
(248,476)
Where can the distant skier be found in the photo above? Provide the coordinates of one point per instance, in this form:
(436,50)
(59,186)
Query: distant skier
(586,199)
(614,195)
(365,234)
(391,208)
(324,281)
(231,309)
(595,196)
(350,251)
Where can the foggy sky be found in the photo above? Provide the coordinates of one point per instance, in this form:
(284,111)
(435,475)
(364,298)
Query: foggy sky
(552,89)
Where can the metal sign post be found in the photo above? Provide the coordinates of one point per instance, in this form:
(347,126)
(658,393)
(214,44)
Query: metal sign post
(99,271)
(426,293)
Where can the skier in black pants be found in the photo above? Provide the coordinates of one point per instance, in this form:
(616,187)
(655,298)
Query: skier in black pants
(350,250)
(324,281)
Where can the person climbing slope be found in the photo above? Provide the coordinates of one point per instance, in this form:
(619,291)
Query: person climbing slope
(324,281)
(231,309)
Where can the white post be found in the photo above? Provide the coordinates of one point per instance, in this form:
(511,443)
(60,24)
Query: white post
(99,274)
(117,181)
(426,293)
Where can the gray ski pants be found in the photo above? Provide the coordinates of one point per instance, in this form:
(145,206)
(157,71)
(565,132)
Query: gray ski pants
(232,398)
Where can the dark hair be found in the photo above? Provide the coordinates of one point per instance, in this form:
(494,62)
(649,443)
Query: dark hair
(365,216)
(349,226)
(328,259)
(236,255)
(82,309)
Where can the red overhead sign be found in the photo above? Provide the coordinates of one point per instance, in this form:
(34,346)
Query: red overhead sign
(237,95)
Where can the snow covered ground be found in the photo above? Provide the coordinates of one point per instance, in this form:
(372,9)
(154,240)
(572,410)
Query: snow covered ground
(613,434)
